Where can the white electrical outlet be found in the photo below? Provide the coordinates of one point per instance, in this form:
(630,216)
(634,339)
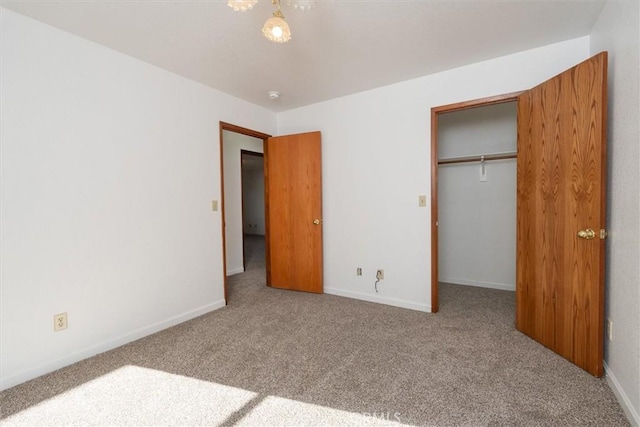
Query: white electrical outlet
(610,329)
(380,274)
(358,271)
(60,322)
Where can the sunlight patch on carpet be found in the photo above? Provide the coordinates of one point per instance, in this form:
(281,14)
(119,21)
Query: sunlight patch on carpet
(134,395)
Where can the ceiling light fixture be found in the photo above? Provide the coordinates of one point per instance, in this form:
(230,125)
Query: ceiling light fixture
(275,28)
(242,5)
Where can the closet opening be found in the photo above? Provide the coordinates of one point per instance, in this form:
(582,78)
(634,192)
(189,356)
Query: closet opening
(473,195)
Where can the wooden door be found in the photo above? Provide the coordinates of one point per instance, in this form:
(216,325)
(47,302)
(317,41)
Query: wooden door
(561,194)
(293,186)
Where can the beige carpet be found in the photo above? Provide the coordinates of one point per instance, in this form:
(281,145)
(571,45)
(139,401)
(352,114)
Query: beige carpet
(275,357)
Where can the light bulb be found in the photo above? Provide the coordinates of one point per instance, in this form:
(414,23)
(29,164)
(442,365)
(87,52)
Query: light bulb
(276,28)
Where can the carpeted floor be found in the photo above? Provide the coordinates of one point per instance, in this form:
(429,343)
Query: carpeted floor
(275,357)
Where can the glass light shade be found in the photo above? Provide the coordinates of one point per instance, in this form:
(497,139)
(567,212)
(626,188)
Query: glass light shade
(301,4)
(276,29)
(241,5)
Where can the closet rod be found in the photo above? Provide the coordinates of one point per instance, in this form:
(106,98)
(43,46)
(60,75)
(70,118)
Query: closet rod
(486,157)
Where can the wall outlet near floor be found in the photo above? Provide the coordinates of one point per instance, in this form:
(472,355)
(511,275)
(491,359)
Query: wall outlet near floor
(358,271)
(60,322)
(380,274)
(610,329)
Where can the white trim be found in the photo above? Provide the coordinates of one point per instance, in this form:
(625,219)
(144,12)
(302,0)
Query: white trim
(56,364)
(235,271)
(480,284)
(378,299)
(623,399)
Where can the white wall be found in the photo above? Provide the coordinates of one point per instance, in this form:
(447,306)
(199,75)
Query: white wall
(233,144)
(253,196)
(109,166)
(617,31)
(376,156)
(477,219)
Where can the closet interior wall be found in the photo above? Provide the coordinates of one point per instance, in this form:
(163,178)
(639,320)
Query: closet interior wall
(477,200)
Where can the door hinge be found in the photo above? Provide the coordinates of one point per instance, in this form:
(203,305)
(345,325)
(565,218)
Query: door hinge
(603,234)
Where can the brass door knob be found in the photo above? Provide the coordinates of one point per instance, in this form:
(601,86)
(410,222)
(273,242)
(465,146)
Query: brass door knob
(316,221)
(587,234)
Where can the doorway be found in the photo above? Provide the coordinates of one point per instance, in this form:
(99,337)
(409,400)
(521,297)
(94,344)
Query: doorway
(233,141)
(292,208)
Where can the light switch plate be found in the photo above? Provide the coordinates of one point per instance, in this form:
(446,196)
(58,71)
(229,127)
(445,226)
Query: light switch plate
(422,201)
(214,205)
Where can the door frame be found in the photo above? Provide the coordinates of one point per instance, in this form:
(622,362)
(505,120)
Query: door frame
(435,111)
(264,137)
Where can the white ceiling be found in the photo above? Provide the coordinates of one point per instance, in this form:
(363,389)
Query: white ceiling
(338,48)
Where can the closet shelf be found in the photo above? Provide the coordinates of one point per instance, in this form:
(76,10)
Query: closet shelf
(486,157)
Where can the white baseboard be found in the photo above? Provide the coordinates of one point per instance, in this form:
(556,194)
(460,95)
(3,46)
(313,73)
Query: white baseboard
(233,271)
(479,284)
(378,299)
(70,359)
(627,406)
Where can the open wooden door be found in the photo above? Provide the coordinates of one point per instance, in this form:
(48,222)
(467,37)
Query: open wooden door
(561,213)
(293,187)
